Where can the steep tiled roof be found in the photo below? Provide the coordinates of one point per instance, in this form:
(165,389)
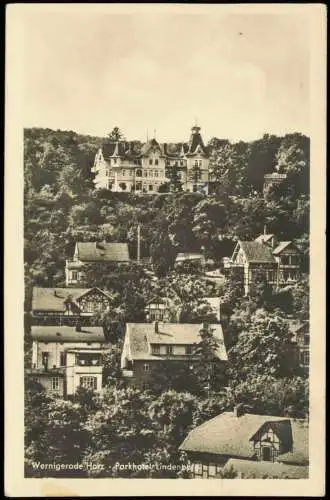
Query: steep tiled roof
(229,435)
(152,143)
(104,252)
(299,453)
(195,141)
(122,149)
(141,335)
(256,469)
(67,334)
(52,299)
(282,246)
(257,252)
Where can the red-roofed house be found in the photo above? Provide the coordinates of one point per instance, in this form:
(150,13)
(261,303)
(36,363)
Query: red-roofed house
(148,344)
(248,441)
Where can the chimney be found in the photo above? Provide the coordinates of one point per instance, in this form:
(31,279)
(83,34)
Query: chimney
(238,410)
(156,323)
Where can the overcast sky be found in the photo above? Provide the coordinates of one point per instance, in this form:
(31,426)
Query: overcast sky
(240,76)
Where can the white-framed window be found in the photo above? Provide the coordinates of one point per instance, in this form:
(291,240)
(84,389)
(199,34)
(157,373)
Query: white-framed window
(155,349)
(156,161)
(139,173)
(304,358)
(150,161)
(156,173)
(151,188)
(198,470)
(74,275)
(124,173)
(88,382)
(212,470)
(169,349)
(146,367)
(55,383)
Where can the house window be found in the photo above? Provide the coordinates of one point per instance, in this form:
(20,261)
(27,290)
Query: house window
(146,367)
(155,349)
(198,470)
(88,382)
(188,349)
(62,359)
(74,275)
(109,185)
(55,383)
(115,160)
(181,162)
(212,470)
(151,188)
(306,339)
(169,349)
(150,161)
(145,173)
(139,173)
(156,162)
(304,358)
(156,173)
(124,173)
(205,471)
(138,186)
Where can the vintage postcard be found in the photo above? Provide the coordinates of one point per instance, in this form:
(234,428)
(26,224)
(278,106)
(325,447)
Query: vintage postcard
(165,250)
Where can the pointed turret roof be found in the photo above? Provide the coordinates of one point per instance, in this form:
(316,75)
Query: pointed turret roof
(196,141)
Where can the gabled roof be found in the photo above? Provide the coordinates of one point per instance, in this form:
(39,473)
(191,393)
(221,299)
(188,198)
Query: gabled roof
(53,299)
(141,335)
(229,435)
(264,238)
(259,469)
(102,252)
(153,143)
(181,256)
(257,252)
(67,334)
(121,149)
(282,246)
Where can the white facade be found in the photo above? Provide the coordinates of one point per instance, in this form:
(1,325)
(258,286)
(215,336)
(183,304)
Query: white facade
(120,170)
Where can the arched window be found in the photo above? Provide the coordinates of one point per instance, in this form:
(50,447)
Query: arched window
(139,173)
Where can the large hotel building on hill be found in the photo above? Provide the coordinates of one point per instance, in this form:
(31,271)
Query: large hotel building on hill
(118,167)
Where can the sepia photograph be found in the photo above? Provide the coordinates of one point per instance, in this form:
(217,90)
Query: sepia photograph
(164,246)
